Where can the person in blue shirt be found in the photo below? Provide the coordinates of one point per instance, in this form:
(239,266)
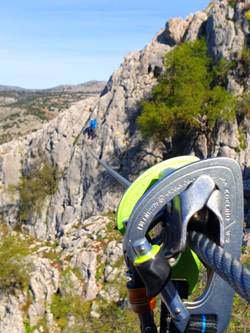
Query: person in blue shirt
(91,128)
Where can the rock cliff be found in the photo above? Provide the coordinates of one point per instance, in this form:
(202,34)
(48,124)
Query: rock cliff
(84,188)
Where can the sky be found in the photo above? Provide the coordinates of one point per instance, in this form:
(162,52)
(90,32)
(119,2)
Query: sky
(44,43)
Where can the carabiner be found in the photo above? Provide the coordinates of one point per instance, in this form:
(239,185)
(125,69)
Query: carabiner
(214,185)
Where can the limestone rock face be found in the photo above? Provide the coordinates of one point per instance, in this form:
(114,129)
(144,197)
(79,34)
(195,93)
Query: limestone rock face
(11,319)
(196,26)
(53,143)
(175,30)
(43,284)
(224,30)
(90,246)
(86,263)
(85,188)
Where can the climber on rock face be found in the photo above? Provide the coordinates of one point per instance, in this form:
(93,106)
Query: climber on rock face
(91,129)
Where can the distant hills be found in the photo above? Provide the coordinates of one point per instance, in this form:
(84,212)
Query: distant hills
(11,88)
(89,86)
(25,110)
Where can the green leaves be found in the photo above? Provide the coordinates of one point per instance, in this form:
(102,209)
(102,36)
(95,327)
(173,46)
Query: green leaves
(34,188)
(247,15)
(221,105)
(157,118)
(244,105)
(189,95)
(245,59)
(64,307)
(14,268)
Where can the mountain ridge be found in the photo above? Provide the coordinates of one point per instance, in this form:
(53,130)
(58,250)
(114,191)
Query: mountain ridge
(23,111)
(61,88)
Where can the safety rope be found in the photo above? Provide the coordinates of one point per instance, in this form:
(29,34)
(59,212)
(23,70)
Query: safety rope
(227,267)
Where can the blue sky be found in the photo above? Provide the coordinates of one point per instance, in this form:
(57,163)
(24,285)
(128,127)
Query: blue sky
(44,43)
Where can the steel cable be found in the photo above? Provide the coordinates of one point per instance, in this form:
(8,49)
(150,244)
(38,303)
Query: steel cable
(227,267)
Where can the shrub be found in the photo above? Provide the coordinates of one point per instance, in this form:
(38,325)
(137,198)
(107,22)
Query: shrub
(245,58)
(247,15)
(34,188)
(242,139)
(14,268)
(232,3)
(27,327)
(73,314)
(63,307)
(244,105)
(190,94)
(221,70)
(240,320)
(41,326)
(112,317)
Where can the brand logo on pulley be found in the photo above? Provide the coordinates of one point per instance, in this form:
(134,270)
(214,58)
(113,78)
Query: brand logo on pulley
(161,200)
(227,205)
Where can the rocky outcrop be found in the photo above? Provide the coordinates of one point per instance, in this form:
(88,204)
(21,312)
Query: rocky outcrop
(92,245)
(44,283)
(55,144)
(179,30)
(224,30)
(85,188)
(176,29)
(11,317)
(86,263)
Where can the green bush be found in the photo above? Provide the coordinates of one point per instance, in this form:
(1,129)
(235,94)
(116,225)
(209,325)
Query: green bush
(190,94)
(240,319)
(68,307)
(112,317)
(27,327)
(242,139)
(244,105)
(41,326)
(232,3)
(34,188)
(65,306)
(14,268)
(245,58)
(221,70)
(247,16)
